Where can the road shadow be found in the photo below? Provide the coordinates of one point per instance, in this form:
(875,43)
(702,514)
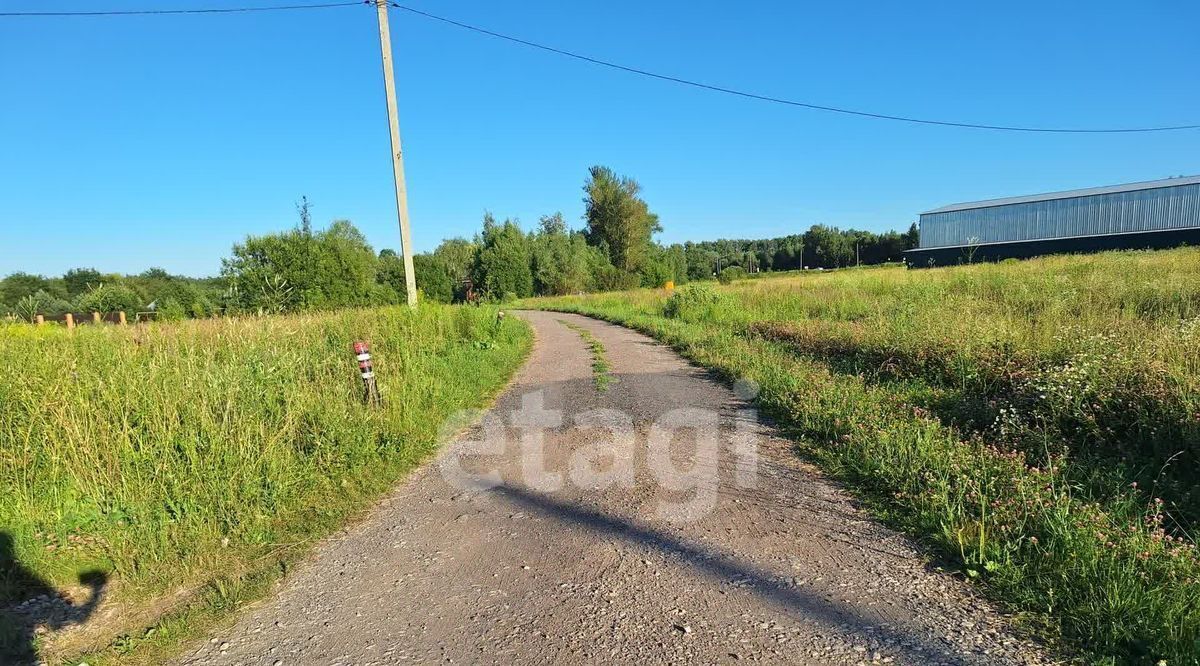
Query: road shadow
(646,395)
(721,567)
(29,603)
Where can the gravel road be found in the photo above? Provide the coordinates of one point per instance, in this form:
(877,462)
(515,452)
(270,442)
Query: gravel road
(654,521)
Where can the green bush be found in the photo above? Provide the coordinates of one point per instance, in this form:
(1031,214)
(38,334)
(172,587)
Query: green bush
(41,302)
(435,278)
(55,307)
(656,274)
(301,269)
(385,294)
(691,303)
(171,310)
(610,278)
(731,273)
(108,298)
(202,307)
(27,307)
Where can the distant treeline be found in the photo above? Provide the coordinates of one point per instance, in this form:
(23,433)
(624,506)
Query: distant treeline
(302,269)
(87,290)
(821,246)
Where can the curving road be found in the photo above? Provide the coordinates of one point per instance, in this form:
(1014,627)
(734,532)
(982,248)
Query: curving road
(653,521)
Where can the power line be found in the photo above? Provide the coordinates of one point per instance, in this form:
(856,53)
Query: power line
(631,70)
(789,102)
(226,10)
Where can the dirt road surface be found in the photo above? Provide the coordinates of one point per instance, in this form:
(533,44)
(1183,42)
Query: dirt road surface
(657,522)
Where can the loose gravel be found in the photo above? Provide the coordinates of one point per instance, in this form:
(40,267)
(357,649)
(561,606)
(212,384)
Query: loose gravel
(782,568)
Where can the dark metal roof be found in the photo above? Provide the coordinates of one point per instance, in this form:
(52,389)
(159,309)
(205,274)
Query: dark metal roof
(1069,194)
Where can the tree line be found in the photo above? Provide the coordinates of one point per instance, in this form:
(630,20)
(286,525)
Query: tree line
(82,290)
(822,246)
(303,268)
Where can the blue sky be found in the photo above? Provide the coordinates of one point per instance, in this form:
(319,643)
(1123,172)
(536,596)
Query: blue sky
(131,142)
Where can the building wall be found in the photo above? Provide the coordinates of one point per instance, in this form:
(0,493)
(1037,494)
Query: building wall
(1142,240)
(1176,207)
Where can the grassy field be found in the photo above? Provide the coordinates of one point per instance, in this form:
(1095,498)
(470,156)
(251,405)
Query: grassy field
(1036,422)
(191,463)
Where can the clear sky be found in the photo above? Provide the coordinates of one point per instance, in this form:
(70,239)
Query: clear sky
(130,142)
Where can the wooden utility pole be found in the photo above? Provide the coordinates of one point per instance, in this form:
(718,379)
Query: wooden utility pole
(389,84)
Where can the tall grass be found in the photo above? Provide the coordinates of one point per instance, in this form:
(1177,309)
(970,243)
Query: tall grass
(1038,422)
(172,454)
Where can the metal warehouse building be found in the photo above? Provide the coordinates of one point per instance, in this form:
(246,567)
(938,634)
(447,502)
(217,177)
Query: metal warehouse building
(1153,214)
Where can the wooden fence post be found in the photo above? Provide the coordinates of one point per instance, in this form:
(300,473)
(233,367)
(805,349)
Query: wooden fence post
(70,321)
(121,317)
(40,320)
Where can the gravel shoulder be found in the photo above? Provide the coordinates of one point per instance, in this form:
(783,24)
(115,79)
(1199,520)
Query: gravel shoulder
(653,521)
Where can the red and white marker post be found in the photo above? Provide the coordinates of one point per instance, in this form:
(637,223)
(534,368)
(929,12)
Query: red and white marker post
(362,352)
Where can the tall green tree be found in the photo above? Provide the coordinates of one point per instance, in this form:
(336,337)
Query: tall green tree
(79,280)
(664,264)
(830,247)
(618,220)
(19,285)
(912,237)
(389,275)
(435,279)
(458,254)
(701,261)
(560,258)
(502,267)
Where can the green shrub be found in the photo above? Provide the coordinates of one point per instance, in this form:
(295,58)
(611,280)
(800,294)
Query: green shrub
(56,307)
(656,274)
(609,278)
(171,310)
(731,273)
(41,302)
(108,298)
(302,269)
(202,307)
(691,303)
(385,294)
(27,307)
